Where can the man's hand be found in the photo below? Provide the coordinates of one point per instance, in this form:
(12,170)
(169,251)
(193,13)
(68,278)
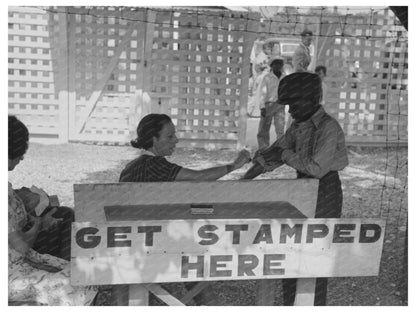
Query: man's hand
(242,158)
(48,221)
(257,154)
(272,154)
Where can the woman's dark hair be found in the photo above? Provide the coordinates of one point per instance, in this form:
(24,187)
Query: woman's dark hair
(149,127)
(18,138)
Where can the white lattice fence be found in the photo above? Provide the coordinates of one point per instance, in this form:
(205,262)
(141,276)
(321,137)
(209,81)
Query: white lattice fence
(200,69)
(32,70)
(87,73)
(367,79)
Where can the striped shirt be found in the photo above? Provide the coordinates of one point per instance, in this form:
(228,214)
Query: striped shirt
(314,147)
(149,168)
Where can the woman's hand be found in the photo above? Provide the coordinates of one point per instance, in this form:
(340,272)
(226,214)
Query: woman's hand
(29,198)
(48,221)
(242,158)
(33,224)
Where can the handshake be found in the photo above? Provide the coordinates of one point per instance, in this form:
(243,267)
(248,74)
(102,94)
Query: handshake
(271,154)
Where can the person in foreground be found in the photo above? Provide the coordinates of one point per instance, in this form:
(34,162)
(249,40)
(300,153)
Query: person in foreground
(314,145)
(34,278)
(157,139)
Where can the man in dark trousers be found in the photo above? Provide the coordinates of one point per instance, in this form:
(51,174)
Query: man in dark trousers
(270,111)
(314,145)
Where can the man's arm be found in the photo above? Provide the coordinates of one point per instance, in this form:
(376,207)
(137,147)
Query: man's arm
(253,172)
(270,158)
(324,155)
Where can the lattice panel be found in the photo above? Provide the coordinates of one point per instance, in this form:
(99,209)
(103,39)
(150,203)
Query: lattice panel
(32,69)
(194,65)
(197,61)
(107,47)
(368,79)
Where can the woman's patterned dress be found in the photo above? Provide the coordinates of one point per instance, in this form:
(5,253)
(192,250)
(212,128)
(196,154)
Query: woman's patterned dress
(28,283)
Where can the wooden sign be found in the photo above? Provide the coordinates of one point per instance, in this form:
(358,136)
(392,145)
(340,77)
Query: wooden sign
(154,251)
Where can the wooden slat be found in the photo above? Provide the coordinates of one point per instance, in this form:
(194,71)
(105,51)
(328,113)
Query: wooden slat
(193,292)
(25,9)
(266,291)
(163,295)
(194,64)
(210,117)
(29,78)
(29,56)
(179,53)
(31,101)
(25,21)
(29,89)
(138,295)
(201,85)
(28,32)
(33,112)
(32,67)
(218,76)
(194,96)
(29,44)
(202,107)
(305,292)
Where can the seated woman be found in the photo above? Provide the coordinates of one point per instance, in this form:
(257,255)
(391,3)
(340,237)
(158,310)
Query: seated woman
(33,277)
(156,137)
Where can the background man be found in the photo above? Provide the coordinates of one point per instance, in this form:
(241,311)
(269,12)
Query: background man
(321,71)
(302,56)
(269,109)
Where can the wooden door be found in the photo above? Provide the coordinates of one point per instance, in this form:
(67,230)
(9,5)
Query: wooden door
(106,61)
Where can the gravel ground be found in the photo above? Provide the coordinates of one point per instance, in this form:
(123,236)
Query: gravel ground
(375,185)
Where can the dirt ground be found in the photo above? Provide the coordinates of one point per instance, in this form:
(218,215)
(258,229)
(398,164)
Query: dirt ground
(374,184)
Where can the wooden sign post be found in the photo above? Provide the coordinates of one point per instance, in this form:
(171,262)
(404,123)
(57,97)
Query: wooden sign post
(144,234)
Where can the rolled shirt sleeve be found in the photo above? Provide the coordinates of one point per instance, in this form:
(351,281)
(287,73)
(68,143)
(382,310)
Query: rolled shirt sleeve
(329,153)
(314,147)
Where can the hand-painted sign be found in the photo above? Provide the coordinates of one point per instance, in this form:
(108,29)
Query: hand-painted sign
(153,251)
